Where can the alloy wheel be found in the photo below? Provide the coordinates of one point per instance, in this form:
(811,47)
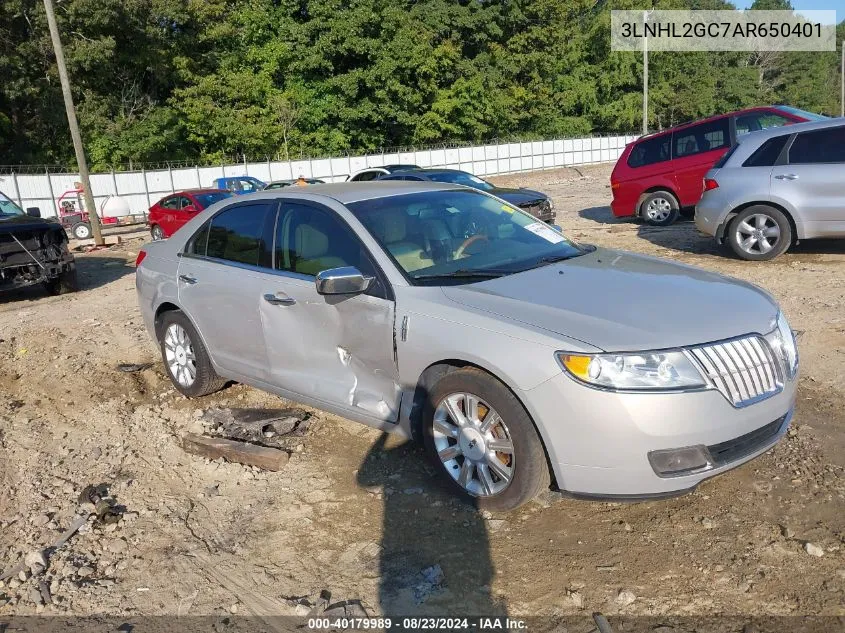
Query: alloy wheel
(658,209)
(757,234)
(474,444)
(158,234)
(179,354)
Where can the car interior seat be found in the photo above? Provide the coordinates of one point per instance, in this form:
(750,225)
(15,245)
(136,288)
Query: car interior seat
(311,246)
(394,232)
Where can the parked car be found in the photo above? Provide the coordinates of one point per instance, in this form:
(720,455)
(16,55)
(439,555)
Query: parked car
(777,187)
(516,355)
(167,215)
(239,185)
(33,251)
(536,203)
(280,184)
(660,174)
(372,173)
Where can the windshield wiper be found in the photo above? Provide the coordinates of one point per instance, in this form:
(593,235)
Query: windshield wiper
(463,273)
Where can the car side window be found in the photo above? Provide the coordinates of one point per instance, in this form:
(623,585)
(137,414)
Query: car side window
(367,176)
(170,203)
(768,153)
(184,202)
(310,240)
(818,146)
(701,138)
(746,123)
(237,234)
(650,151)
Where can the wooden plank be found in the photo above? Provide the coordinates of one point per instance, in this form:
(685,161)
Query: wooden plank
(233,451)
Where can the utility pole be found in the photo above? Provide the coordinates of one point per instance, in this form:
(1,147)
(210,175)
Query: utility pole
(645,76)
(842,82)
(87,196)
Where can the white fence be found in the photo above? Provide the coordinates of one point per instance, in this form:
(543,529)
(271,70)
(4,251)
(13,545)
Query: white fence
(141,189)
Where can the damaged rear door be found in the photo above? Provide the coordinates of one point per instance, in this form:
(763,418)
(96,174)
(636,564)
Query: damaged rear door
(337,349)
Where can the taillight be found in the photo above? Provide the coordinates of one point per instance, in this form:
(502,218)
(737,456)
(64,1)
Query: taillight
(140,258)
(710,183)
(614,185)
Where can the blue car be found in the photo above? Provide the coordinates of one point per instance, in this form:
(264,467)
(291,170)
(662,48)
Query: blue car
(239,185)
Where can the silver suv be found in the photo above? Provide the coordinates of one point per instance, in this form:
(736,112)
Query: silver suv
(776,187)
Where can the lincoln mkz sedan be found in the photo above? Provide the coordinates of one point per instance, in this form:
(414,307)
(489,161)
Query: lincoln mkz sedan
(521,359)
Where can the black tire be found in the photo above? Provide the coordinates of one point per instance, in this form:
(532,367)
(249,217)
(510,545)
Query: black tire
(530,473)
(156,233)
(81,230)
(775,233)
(206,380)
(660,208)
(65,283)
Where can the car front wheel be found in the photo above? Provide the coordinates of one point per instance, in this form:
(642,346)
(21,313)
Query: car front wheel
(185,357)
(484,440)
(759,233)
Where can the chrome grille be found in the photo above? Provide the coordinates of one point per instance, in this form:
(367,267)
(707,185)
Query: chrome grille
(744,370)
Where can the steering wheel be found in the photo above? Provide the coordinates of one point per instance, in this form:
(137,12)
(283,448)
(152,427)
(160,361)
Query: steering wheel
(467,242)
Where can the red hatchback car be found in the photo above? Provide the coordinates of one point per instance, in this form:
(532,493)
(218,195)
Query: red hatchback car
(660,174)
(169,214)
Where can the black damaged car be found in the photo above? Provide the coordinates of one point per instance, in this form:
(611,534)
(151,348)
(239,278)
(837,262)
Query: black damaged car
(33,251)
(536,203)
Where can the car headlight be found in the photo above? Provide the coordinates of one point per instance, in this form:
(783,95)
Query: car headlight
(782,341)
(646,371)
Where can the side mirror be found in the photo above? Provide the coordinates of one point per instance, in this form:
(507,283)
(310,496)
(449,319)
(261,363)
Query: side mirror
(33,212)
(342,281)
(190,209)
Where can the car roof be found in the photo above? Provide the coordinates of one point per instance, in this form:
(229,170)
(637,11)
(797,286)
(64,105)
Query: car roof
(808,126)
(201,190)
(349,192)
(715,117)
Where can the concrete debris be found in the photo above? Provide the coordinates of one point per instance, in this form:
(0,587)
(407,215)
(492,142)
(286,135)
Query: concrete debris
(625,597)
(813,550)
(433,579)
(35,561)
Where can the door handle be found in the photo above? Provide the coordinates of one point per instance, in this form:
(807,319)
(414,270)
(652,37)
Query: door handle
(188,279)
(279,301)
(787,176)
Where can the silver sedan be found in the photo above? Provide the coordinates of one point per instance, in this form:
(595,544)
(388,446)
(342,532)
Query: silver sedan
(520,358)
(776,187)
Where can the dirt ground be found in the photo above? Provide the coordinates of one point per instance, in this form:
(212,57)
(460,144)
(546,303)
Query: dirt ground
(365,517)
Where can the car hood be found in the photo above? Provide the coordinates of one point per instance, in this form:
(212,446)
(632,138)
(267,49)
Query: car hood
(517,196)
(25,223)
(618,301)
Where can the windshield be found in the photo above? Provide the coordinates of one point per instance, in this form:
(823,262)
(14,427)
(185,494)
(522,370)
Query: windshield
(461,178)
(460,235)
(810,116)
(207,199)
(8,208)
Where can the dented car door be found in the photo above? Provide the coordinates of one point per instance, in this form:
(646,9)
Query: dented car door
(338,349)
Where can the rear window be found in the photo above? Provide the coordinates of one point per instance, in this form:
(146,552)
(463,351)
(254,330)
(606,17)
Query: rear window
(767,154)
(650,151)
(207,199)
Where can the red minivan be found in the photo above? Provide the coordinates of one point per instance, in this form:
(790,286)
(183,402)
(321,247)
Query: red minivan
(660,174)
(169,214)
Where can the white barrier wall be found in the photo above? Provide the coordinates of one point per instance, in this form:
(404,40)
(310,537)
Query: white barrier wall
(141,189)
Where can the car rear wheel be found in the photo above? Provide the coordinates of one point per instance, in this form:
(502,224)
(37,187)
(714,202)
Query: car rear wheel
(81,230)
(156,233)
(759,233)
(484,440)
(660,208)
(185,357)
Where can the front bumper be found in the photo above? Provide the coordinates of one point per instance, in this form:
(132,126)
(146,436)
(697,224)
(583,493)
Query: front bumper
(599,441)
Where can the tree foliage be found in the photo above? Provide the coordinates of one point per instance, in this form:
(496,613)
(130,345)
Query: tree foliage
(158,80)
